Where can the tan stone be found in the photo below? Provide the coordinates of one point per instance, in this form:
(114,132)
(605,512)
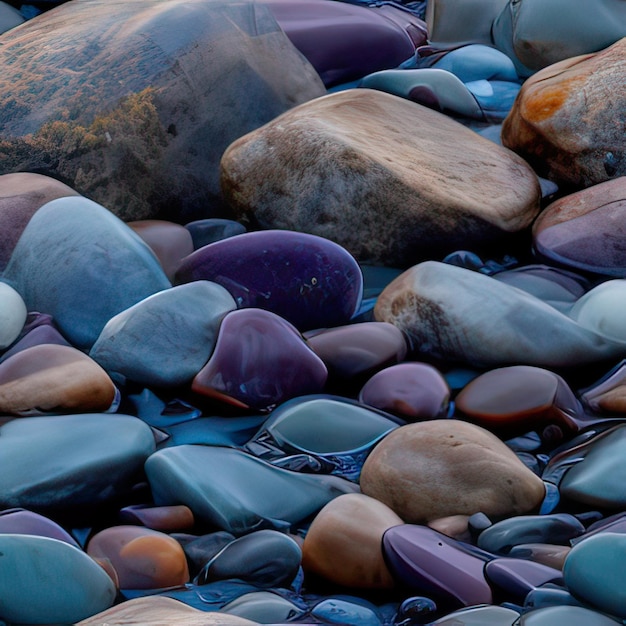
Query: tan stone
(161,611)
(568,120)
(344,542)
(390,180)
(434,469)
(51,378)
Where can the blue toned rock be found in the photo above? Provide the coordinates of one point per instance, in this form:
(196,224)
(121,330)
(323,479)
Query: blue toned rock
(570,615)
(485,615)
(259,361)
(453,313)
(264,607)
(45,580)
(344,612)
(557,528)
(78,262)
(166,339)
(12,315)
(308,280)
(599,310)
(265,558)
(212,229)
(58,463)
(235,491)
(594,570)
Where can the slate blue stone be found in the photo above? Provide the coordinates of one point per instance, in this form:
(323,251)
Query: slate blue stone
(310,281)
(212,229)
(59,463)
(237,492)
(483,615)
(557,528)
(214,431)
(266,558)
(78,262)
(264,607)
(550,595)
(164,340)
(570,615)
(340,611)
(199,550)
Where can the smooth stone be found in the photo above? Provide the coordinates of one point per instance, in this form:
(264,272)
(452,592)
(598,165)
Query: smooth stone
(613,523)
(431,563)
(237,492)
(264,607)
(598,310)
(608,395)
(78,262)
(387,206)
(170,242)
(166,519)
(201,549)
(592,572)
(142,558)
(413,470)
(346,41)
(259,361)
(139,119)
(343,544)
(158,610)
(23,522)
(21,194)
(358,350)
(516,578)
(346,613)
(167,338)
(160,412)
(414,609)
(37,336)
(570,615)
(265,558)
(557,528)
(455,526)
(70,462)
(550,595)
(212,229)
(519,398)
(54,379)
(310,281)
(486,615)
(584,230)
(455,314)
(557,287)
(562,110)
(546,554)
(10,17)
(43,580)
(413,391)
(326,434)
(12,315)
(214,431)
(597,478)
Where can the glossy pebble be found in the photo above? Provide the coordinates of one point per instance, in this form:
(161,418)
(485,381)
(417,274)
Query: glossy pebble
(486,615)
(23,522)
(12,315)
(263,606)
(570,615)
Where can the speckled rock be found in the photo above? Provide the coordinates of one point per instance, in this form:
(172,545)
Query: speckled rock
(412,470)
(386,203)
(564,124)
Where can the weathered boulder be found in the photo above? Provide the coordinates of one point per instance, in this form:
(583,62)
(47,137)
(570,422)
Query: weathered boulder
(138,115)
(568,120)
(391,181)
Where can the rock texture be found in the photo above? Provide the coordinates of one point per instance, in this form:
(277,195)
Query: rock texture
(391,181)
(568,120)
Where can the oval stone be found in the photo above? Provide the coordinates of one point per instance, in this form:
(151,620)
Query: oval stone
(44,580)
(164,340)
(308,280)
(570,615)
(12,315)
(78,262)
(51,378)
(599,310)
(414,471)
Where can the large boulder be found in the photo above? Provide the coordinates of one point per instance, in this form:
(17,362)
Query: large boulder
(138,115)
(568,120)
(391,181)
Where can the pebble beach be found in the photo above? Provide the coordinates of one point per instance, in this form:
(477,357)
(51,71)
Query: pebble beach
(311,312)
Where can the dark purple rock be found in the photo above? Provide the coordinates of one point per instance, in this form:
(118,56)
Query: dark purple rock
(310,281)
(517,577)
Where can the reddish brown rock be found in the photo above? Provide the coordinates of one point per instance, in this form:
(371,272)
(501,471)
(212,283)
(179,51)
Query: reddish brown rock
(50,378)
(391,181)
(568,119)
(438,468)
(343,544)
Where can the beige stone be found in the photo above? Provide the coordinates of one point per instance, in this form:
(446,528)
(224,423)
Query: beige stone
(390,180)
(438,468)
(161,611)
(568,120)
(344,543)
